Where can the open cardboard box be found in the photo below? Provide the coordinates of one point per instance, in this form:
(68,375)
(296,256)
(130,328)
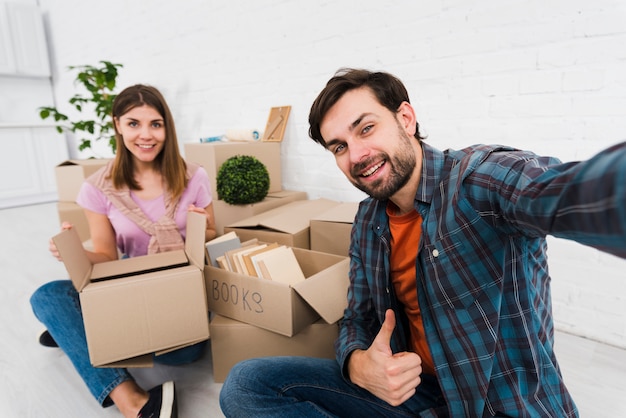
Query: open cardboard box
(226,213)
(211,156)
(276,306)
(233,341)
(287,224)
(141,305)
(330,230)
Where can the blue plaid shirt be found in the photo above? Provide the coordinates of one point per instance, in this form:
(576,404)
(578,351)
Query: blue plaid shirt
(482,273)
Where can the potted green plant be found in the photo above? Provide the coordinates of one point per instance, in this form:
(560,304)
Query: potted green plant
(242,179)
(99,81)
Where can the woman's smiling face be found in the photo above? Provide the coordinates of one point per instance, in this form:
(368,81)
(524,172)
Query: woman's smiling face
(143,131)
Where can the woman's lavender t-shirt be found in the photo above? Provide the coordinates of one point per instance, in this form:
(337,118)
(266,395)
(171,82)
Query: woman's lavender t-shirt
(132,240)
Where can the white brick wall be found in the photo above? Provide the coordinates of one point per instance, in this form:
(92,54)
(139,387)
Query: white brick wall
(546,76)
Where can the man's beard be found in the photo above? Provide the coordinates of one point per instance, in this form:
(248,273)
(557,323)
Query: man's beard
(401,168)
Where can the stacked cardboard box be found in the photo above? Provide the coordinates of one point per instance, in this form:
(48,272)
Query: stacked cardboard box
(254,316)
(226,214)
(233,341)
(279,317)
(70,176)
(330,230)
(212,155)
(288,224)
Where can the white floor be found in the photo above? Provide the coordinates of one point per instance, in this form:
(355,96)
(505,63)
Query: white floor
(36,381)
(40,382)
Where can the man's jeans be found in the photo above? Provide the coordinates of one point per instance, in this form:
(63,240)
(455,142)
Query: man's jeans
(56,304)
(310,387)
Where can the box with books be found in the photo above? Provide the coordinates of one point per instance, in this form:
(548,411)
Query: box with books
(274,286)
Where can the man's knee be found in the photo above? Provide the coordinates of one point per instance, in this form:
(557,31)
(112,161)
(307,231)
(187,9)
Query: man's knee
(243,371)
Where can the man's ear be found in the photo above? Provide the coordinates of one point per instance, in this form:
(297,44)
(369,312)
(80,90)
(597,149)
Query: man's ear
(406,117)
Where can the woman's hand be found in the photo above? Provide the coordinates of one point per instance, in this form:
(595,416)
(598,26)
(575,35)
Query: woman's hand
(52,246)
(193,208)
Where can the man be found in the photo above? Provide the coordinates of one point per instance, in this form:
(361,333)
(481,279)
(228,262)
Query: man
(449,309)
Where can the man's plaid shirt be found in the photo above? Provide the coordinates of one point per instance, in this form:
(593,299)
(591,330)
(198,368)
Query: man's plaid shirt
(482,273)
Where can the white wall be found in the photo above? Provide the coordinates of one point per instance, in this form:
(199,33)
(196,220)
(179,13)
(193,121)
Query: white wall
(20,95)
(546,76)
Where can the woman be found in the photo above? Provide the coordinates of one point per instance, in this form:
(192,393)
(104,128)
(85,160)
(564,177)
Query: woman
(136,205)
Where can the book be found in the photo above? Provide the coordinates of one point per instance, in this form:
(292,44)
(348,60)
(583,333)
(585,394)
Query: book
(260,270)
(217,247)
(240,265)
(230,254)
(221,261)
(281,265)
(247,258)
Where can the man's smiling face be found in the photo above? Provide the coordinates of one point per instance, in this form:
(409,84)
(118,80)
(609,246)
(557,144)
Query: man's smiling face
(371,145)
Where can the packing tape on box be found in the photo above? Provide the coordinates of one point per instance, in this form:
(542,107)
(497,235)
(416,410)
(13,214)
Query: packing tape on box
(242,135)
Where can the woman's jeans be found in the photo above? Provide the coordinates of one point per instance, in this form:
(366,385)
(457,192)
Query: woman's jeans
(311,387)
(57,306)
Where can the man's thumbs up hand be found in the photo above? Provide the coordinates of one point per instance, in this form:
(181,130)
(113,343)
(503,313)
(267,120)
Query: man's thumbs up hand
(391,377)
(382,342)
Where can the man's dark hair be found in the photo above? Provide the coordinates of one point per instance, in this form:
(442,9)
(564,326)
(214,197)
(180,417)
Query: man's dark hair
(389,91)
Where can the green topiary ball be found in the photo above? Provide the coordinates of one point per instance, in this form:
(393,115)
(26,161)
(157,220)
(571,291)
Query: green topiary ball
(242,179)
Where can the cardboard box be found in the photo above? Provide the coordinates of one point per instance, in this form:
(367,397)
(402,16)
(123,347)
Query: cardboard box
(225,213)
(74,214)
(211,155)
(70,175)
(276,306)
(287,224)
(330,231)
(141,305)
(233,341)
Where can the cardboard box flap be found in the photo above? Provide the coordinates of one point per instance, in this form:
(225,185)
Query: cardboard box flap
(138,265)
(82,271)
(86,162)
(328,293)
(193,253)
(178,347)
(146,360)
(76,262)
(290,218)
(194,241)
(342,213)
(282,194)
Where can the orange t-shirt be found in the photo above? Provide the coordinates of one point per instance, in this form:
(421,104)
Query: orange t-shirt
(405,236)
